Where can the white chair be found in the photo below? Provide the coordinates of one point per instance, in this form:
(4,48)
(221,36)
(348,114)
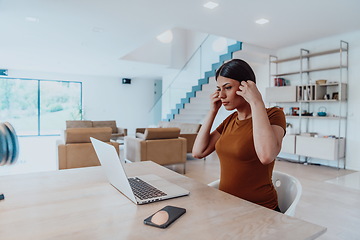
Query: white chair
(288,189)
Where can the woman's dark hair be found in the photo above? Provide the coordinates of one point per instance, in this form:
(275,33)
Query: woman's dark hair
(236,69)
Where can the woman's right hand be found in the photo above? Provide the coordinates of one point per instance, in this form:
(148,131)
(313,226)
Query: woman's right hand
(215,102)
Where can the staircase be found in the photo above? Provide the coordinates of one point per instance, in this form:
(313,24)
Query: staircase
(194,107)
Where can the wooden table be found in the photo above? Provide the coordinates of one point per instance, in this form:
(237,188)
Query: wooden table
(81,204)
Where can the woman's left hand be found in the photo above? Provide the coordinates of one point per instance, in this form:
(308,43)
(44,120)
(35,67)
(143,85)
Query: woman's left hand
(249,92)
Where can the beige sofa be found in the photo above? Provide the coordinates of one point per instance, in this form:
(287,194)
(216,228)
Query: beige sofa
(187,130)
(160,145)
(116,132)
(77,151)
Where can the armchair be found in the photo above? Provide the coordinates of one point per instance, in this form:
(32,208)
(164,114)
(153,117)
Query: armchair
(160,145)
(187,130)
(77,150)
(116,132)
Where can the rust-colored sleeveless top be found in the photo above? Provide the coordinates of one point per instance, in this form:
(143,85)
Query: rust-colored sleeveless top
(242,174)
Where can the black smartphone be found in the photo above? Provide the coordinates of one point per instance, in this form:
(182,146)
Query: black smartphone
(165,216)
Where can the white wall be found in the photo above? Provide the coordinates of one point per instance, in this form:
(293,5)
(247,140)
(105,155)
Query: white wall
(106,98)
(128,104)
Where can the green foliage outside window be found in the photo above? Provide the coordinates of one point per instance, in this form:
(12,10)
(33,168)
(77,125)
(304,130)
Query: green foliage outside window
(39,107)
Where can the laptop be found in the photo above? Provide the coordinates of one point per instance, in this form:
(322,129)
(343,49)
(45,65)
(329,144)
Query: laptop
(156,188)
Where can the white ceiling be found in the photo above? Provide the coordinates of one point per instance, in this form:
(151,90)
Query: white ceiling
(92,36)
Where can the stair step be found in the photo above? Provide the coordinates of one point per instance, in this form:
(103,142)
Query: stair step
(192,119)
(195,106)
(200,100)
(205,94)
(194,111)
(211,86)
(187,120)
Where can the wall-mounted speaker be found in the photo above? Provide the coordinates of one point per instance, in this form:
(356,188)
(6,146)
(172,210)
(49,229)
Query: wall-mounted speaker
(126,81)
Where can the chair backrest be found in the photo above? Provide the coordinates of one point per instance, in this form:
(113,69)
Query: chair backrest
(288,190)
(78,150)
(82,135)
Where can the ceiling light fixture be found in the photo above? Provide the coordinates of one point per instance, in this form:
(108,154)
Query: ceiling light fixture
(165,37)
(211,5)
(262,21)
(32,19)
(97,29)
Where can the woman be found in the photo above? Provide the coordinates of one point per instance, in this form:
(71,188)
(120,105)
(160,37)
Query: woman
(248,141)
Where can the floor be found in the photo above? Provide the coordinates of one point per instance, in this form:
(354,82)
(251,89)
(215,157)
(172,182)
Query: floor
(330,198)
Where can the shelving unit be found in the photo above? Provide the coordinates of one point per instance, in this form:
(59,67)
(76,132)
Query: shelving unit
(308,98)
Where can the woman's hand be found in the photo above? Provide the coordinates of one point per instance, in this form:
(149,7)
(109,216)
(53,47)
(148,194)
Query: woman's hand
(215,101)
(249,92)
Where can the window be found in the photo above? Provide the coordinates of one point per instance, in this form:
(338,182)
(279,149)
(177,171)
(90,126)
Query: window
(39,107)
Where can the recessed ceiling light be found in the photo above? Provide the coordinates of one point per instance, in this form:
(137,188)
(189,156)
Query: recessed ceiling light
(262,21)
(165,37)
(211,5)
(97,29)
(32,19)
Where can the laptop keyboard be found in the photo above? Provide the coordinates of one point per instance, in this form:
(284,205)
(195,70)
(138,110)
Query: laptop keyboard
(143,190)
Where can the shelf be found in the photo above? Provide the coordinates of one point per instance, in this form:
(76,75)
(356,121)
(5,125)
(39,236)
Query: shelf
(308,71)
(317,117)
(310,55)
(309,95)
(314,93)
(329,84)
(308,101)
(325,93)
(319,100)
(285,74)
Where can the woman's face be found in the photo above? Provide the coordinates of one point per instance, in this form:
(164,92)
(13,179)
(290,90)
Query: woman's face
(227,88)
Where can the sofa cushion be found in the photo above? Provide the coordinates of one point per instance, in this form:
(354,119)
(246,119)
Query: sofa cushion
(78,124)
(190,128)
(161,133)
(184,127)
(82,135)
(111,124)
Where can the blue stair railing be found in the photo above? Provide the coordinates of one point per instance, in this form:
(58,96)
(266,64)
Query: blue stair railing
(229,55)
